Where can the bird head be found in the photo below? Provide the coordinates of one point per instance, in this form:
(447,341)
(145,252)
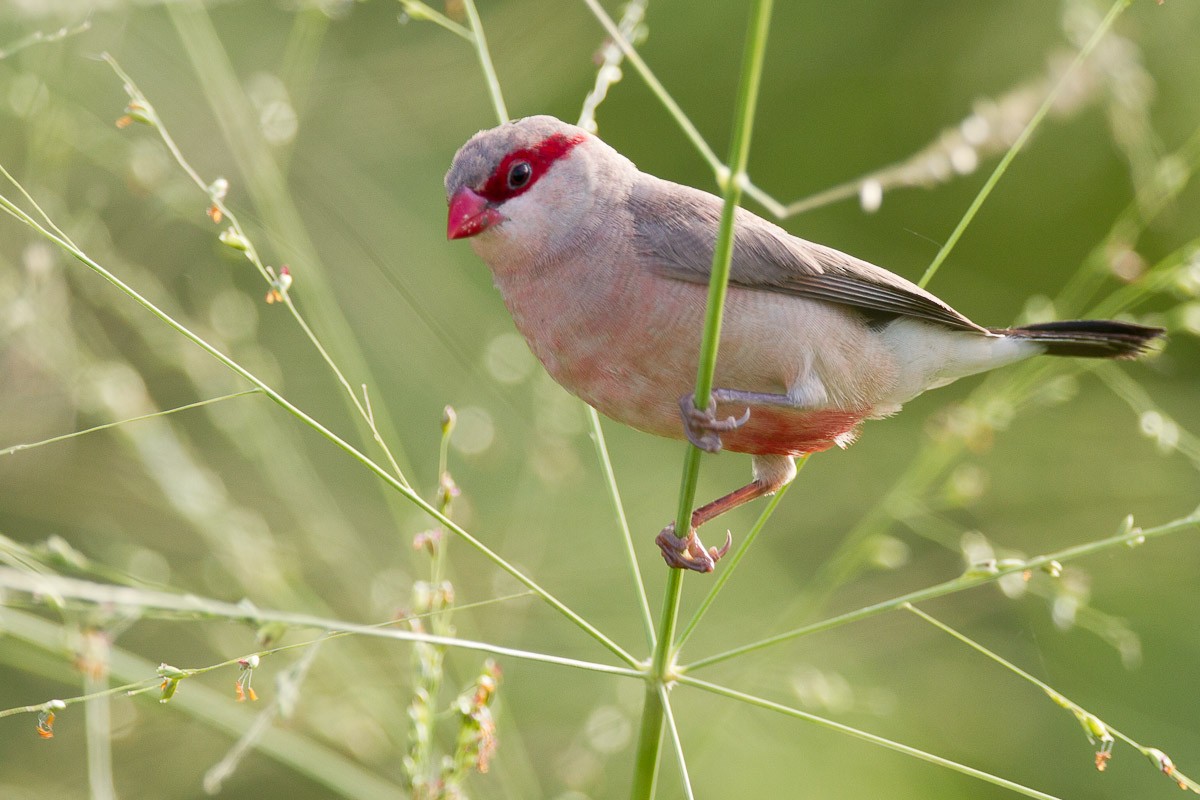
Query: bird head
(529,188)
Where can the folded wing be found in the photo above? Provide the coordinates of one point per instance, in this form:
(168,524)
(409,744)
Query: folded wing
(676,232)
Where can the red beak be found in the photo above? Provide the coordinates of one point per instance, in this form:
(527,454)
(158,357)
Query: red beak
(470,214)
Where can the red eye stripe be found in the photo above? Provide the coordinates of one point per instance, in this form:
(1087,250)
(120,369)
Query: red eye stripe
(540,157)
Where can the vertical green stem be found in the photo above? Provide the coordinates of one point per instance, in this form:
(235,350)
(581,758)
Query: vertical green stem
(650,737)
(485,61)
(649,746)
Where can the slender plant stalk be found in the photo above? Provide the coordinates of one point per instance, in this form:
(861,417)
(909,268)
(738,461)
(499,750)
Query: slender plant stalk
(1140,401)
(661,667)
(872,738)
(34,203)
(614,494)
(1145,208)
(420,11)
(98,728)
(289,683)
(378,630)
(689,128)
(730,563)
(385,475)
(343,776)
(485,61)
(252,255)
(269,192)
(1094,727)
(130,597)
(1129,536)
(55,439)
(41,37)
(673,730)
(610,57)
(649,744)
(1017,145)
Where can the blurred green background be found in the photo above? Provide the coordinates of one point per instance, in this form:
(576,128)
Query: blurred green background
(334,132)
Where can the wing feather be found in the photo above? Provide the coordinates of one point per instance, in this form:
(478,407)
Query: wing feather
(675,235)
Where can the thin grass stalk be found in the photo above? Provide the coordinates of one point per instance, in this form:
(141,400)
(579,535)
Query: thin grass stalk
(1017,145)
(650,736)
(42,37)
(420,11)
(57,587)
(999,659)
(16,448)
(730,564)
(676,742)
(341,775)
(485,61)
(354,453)
(668,102)
(269,192)
(614,494)
(865,736)
(98,725)
(1097,730)
(1128,536)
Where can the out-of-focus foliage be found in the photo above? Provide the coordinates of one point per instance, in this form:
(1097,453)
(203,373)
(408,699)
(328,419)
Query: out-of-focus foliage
(333,123)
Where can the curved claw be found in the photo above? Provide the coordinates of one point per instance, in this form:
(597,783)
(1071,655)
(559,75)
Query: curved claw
(689,552)
(703,429)
(727,424)
(716,554)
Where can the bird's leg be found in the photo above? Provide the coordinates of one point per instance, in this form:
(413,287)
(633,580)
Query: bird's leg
(688,552)
(702,427)
(753,398)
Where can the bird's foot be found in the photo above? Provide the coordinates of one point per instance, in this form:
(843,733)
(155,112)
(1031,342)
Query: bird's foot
(702,427)
(688,552)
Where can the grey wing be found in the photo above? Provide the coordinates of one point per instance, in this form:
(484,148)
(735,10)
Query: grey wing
(676,231)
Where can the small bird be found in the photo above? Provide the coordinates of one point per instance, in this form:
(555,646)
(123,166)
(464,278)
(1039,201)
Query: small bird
(605,268)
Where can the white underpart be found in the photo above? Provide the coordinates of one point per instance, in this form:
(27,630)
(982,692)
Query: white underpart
(928,356)
(776,471)
(808,390)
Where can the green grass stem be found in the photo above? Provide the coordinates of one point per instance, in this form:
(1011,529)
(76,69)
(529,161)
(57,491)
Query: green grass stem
(650,737)
(1059,699)
(485,61)
(730,563)
(614,494)
(1129,538)
(1033,124)
(207,608)
(689,128)
(95,429)
(341,775)
(871,738)
(385,475)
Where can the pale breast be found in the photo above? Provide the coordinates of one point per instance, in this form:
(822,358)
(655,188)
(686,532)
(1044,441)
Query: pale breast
(627,343)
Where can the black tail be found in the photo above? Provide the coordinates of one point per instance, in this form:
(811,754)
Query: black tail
(1088,338)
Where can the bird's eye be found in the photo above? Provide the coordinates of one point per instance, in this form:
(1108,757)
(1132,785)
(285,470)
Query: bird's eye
(519,174)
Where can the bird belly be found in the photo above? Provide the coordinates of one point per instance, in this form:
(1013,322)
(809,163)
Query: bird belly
(629,348)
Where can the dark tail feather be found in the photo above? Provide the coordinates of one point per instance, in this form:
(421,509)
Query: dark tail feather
(1089,338)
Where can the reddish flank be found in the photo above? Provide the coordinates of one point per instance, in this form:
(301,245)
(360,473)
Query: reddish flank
(788,432)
